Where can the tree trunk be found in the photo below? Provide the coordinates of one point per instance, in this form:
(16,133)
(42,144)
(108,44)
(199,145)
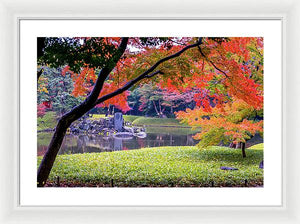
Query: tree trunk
(160,112)
(113,110)
(243,144)
(155,108)
(49,157)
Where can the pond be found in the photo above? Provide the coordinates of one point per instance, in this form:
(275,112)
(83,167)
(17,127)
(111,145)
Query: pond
(156,137)
(94,143)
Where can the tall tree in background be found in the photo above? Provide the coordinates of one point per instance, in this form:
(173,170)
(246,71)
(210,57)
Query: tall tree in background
(55,91)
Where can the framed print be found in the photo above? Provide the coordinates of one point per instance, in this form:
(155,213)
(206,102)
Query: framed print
(174,186)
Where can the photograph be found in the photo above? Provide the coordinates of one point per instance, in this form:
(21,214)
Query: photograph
(150,112)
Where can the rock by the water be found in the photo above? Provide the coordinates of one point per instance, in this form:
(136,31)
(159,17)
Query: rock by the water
(118,121)
(228,168)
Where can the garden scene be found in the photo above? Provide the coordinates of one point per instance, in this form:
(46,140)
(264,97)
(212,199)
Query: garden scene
(150,112)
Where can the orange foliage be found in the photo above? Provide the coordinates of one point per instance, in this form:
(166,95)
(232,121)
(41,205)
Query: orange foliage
(230,120)
(120,101)
(225,72)
(84,82)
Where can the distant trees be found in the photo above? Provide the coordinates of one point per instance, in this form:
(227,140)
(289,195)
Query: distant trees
(55,91)
(160,102)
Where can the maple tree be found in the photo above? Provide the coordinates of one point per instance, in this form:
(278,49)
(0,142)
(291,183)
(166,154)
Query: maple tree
(217,70)
(230,95)
(232,123)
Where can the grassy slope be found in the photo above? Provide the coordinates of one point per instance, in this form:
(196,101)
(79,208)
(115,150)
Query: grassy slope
(47,121)
(164,166)
(130,118)
(257,146)
(153,121)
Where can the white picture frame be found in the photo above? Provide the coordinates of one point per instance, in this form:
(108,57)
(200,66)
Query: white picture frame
(268,195)
(10,212)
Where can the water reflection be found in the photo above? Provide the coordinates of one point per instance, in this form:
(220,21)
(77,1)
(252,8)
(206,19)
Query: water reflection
(73,144)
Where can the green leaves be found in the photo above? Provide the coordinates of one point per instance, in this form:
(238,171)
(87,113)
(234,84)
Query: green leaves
(77,52)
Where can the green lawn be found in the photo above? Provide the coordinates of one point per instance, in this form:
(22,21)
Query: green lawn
(48,121)
(163,166)
(130,118)
(153,121)
(257,146)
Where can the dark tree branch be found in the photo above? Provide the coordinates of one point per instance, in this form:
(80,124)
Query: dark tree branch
(154,73)
(126,87)
(89,102)
(106,71)
(146,74)
(213,64)
(182,44)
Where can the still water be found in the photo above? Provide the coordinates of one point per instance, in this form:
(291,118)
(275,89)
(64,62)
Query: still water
(93,143)
(156,137)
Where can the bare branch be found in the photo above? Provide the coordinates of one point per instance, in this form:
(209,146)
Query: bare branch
(176,42)
(146,74)
(154,73)
(201,52)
